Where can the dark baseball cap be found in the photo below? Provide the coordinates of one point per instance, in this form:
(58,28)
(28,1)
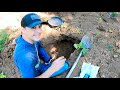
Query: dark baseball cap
(30,20)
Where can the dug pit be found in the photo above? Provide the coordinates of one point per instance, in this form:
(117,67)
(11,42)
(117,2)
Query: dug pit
(62,47)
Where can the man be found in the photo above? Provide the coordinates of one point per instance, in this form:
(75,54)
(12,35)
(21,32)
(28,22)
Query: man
(29,50)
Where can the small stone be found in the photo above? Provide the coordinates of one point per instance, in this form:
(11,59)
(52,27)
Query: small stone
(101,28)
(102,76)
(118,51)
(109,30)
(118,44)
(115,56)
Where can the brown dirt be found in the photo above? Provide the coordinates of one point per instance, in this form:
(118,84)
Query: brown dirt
(61,48)
(105,37)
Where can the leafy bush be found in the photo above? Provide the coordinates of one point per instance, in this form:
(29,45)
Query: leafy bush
(3,39)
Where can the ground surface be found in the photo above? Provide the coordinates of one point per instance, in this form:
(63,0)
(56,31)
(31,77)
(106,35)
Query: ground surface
(105,39)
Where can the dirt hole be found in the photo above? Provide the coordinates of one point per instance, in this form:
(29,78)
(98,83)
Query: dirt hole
(62,47)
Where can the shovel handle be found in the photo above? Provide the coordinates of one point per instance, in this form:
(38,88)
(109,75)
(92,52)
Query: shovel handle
(74,65)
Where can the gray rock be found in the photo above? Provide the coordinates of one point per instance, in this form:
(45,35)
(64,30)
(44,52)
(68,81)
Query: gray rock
(118,51)
(115,56)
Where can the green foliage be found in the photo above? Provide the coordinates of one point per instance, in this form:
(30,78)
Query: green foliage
(84,51)
(3,38)
(2,75)
(80,45)
(114,14)
(77,46)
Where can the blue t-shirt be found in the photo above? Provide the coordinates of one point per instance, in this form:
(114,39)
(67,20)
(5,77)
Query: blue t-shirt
(26,59)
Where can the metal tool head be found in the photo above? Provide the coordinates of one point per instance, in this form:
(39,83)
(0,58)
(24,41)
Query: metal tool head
(86,42)
(55,21)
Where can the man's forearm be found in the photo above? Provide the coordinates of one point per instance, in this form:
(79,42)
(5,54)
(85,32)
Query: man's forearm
(47,73)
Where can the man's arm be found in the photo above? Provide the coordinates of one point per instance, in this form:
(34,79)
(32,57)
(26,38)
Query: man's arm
(42,52)
(26,66)
(47,73)
(56,65)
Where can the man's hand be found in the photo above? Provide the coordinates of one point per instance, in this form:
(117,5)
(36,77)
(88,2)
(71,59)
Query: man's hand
(58,63)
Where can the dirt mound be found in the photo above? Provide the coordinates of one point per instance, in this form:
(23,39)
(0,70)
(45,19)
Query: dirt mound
(8,66)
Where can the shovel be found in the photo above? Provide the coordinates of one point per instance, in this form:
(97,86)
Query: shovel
(54,21)
(86,44)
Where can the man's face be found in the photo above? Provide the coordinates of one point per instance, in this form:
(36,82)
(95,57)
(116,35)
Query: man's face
(34,33)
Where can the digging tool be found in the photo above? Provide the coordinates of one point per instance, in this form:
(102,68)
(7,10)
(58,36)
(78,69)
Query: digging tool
(86,45)
(54,21)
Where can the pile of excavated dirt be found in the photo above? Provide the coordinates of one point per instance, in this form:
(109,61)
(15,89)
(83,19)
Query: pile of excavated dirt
(105,37)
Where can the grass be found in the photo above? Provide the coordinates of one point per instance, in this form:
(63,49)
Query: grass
(2,75)
(4,36)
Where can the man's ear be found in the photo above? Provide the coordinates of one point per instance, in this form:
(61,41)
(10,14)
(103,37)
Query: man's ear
(23,30)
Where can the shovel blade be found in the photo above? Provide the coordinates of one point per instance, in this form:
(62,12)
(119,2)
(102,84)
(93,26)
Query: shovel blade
(86,42)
